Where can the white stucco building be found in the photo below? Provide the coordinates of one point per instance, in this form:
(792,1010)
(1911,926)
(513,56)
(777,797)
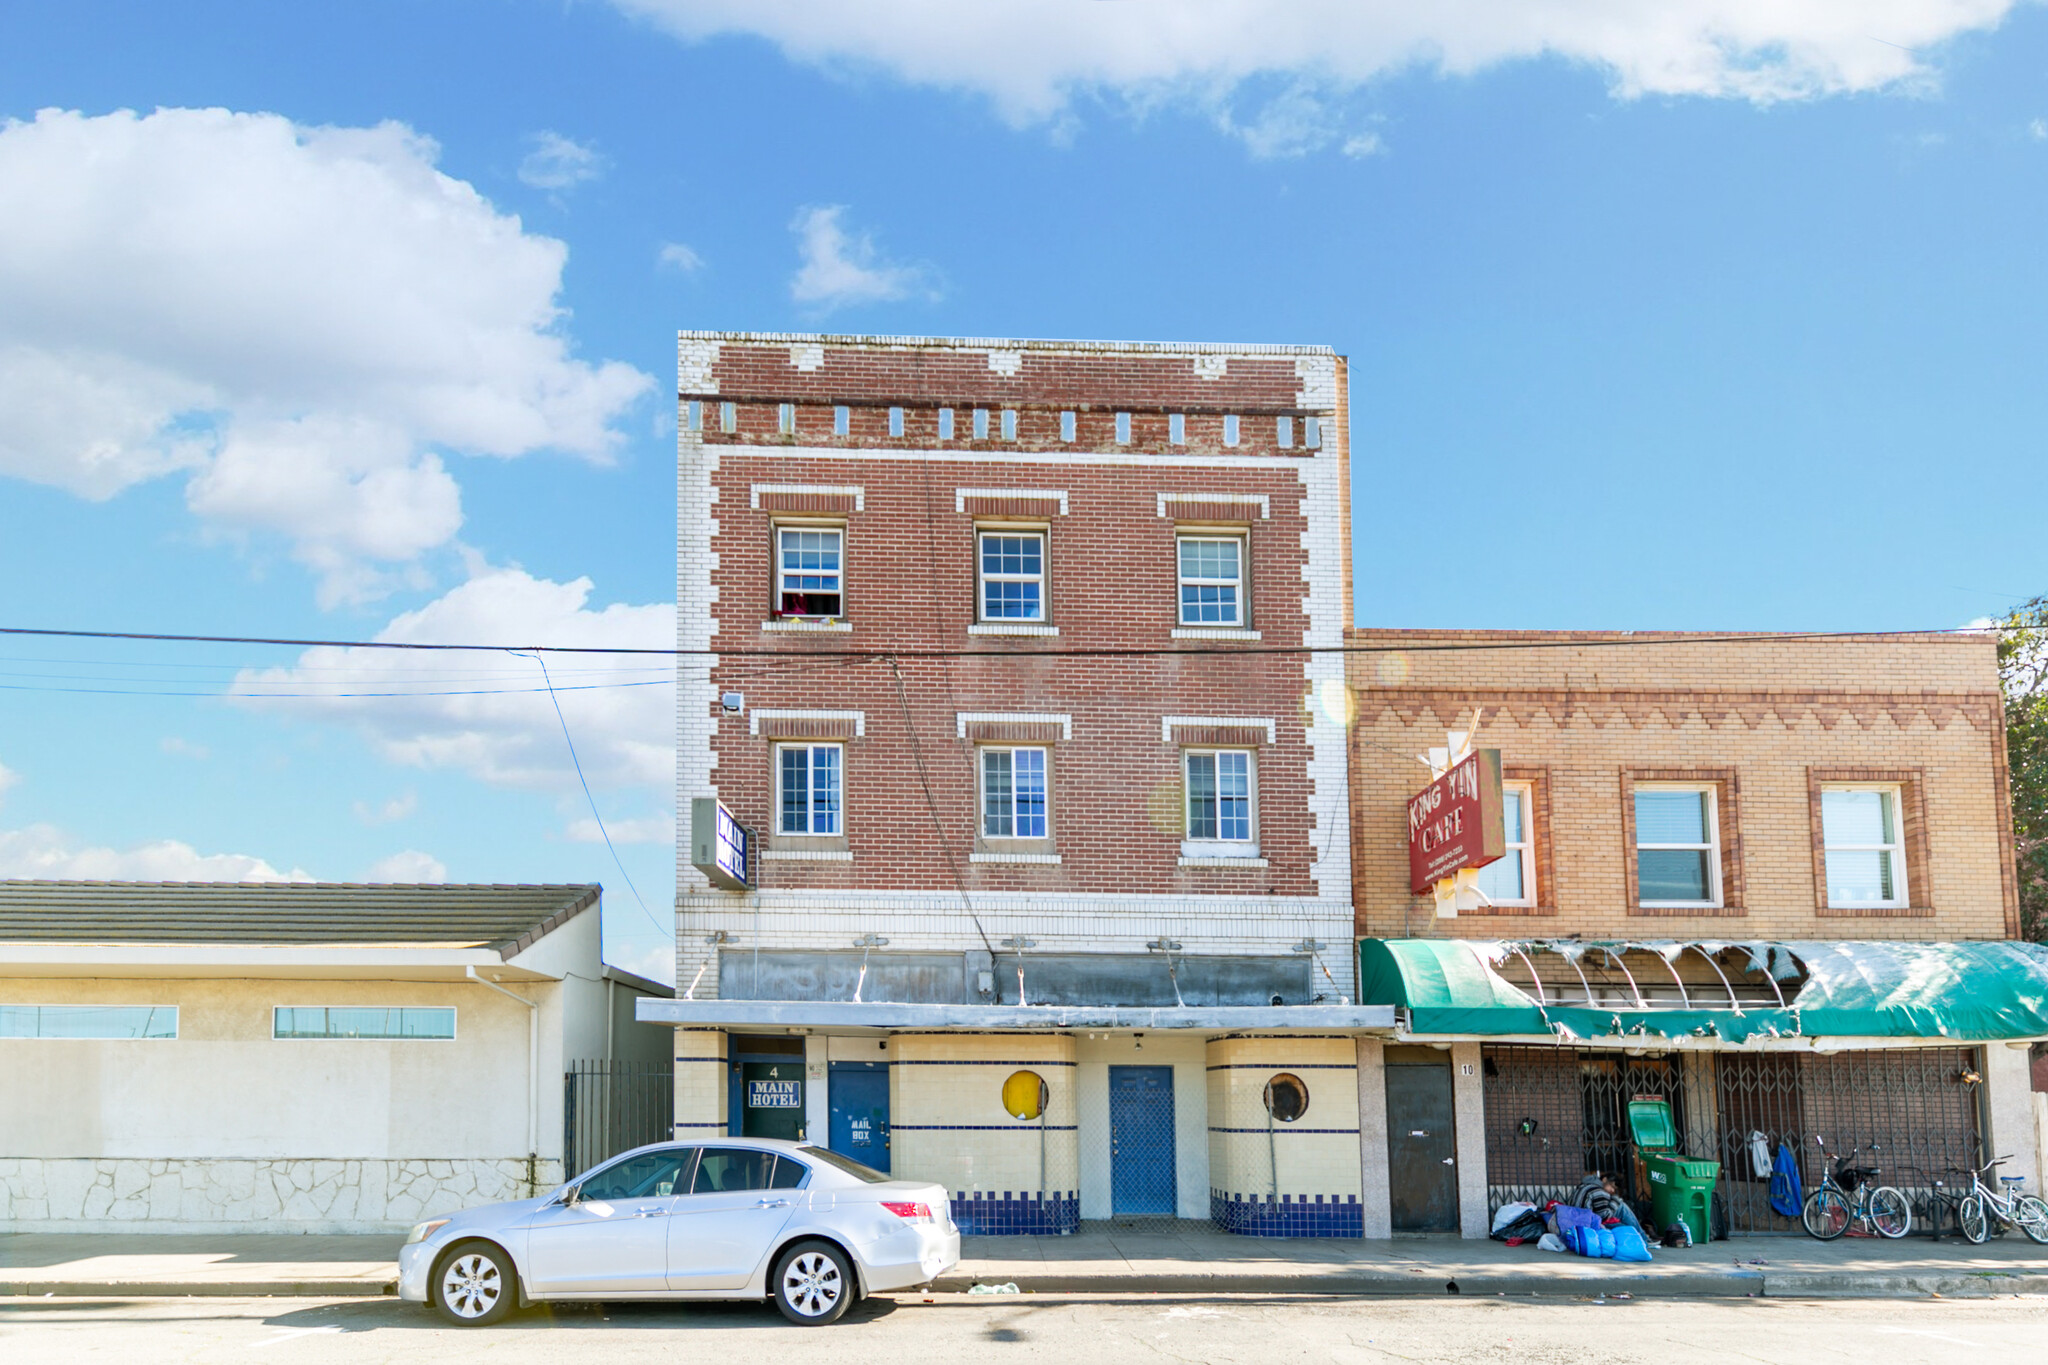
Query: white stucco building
(299,1057)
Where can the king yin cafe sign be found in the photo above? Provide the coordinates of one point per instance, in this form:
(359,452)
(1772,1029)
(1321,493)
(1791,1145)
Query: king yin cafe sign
(1455,825)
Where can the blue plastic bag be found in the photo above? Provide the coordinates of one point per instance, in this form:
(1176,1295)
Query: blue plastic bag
(1786,1198)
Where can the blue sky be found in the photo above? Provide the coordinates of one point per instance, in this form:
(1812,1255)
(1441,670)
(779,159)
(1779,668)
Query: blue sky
(1721,316)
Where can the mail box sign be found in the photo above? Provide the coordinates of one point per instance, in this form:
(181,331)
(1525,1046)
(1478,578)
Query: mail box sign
(775,1095)
(1456,822)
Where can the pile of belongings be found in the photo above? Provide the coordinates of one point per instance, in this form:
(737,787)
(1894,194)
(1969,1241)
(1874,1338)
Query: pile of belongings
(1567,1227)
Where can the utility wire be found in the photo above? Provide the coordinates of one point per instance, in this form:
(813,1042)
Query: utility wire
(616,860)
(931,805)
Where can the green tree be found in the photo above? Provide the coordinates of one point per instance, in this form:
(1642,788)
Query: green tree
(2023,672)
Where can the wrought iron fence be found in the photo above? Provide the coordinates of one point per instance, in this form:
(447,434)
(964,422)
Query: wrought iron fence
(612,1107)
(1554,1115)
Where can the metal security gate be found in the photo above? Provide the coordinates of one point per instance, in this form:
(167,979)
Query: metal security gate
(613,1107)
(1554,1115)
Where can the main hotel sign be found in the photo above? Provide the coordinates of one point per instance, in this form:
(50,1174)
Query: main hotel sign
(1455,822)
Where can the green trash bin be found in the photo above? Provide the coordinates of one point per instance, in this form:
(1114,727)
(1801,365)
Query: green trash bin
(1681,1188)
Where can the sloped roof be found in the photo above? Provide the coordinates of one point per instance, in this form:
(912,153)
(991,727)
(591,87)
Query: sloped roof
(507,918)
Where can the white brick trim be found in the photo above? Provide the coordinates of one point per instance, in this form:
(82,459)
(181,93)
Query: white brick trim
(755,717)
(1258,500)
(851,490)
(1010,628)
(963,719)
(798,623)
(1059,495)
(1224,862)
(1043,859)
(1168,724)
(806,855)
(1181,461)
(1214,633)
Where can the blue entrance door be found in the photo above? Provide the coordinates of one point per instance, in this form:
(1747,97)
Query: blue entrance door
(1141,1139)
(860,1112)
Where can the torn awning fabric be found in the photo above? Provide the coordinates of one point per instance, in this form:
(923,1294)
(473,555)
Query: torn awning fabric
(1966,992)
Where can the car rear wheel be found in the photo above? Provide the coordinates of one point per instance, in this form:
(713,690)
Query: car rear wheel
(473,1284)
(814,1284)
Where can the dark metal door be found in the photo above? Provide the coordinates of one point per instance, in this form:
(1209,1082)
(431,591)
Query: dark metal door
(859,1094)
(1141,1174)
(1422,1145)
(774,1099)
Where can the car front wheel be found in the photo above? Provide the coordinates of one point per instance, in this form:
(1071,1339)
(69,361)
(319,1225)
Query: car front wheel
(814,1284)
(473,1284)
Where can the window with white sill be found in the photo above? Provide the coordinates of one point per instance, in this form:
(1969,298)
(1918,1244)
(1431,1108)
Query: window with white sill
(810,572)
(1510,880)
(1678,847)
(1865,847)
(1221,804)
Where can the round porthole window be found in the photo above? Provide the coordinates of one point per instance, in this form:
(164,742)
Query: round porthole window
(1286,1097)
(1024,1095)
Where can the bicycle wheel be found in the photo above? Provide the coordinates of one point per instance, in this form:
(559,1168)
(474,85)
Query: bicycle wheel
(2032,1216)
(1889,1212)
(1974,1217)
(1826,1214)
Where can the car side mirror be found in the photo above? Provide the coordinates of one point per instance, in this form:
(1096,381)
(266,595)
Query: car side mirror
(572,1196)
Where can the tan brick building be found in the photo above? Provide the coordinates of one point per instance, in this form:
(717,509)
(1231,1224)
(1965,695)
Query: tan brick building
(1713,846)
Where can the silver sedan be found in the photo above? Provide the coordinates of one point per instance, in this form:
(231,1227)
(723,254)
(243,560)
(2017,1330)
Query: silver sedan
(736,1218)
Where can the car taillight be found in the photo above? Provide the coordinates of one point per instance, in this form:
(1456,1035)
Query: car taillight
(910,1213)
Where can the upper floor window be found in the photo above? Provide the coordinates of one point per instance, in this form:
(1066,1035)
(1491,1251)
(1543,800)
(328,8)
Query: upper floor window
(808,571)
(1009,424)
(1177,429)
(1230,430)
(981,424)
(895,421)
(728,417)
(1219,787)
(1211,580)
(1678,846)
(1012,570)
(1123,428)
(1067,426)
(1284,432)
(945,424)
(105,1022)
(807,789)
(1312,432)
(403,1023)
(785,418)
(1013,794)
(1510,879)
(1865,847)
(842,420)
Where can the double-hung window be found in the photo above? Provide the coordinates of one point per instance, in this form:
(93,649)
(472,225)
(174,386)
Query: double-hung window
(1510,880)
(1866,854)
(808,797)
(1678,846)
(809,571)
(1211,580)
(1013,794)
(1219,793)
(1012,573)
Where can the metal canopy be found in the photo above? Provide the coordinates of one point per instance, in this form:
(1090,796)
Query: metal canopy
(882,1015)
(1574,989)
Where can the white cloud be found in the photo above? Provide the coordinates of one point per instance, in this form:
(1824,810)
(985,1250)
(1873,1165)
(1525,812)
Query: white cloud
(836,269)
(2038,130)
(679,257)
(506,733)
(560,163)
(45,852)
(397,808)
(1032,58)
(178,747)
(411,867)
(304,319)
(649,829)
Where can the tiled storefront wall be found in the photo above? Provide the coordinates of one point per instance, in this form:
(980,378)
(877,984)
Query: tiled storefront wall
(1270,1178)
(1763,726)
(948,1124)
(1114,726)
(701,1094)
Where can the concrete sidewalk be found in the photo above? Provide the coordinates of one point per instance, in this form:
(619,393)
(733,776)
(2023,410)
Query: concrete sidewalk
(1190,1257)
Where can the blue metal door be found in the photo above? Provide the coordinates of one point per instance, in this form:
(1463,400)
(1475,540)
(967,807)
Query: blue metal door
(1141,1140)
(860,1112)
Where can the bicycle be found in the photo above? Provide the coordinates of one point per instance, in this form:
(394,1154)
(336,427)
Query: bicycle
(2013,1208)
(1829,1211)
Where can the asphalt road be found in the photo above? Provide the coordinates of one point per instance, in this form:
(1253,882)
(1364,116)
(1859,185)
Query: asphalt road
(961,1328)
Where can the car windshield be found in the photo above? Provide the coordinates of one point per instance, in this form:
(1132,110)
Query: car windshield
(853,1168)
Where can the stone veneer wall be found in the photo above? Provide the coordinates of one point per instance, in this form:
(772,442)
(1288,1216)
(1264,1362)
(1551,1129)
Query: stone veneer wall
(81,1194)
(1297,1179)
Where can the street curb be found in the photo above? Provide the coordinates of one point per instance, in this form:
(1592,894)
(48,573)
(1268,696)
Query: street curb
(212,1289)
(1712,1284)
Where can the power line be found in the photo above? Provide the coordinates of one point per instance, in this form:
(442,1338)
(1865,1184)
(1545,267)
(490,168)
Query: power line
(1624,640)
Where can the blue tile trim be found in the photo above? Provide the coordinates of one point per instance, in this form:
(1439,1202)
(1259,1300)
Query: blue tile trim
(1021,1213)
(1021,1126)
(1284,1066)
(978,1061)
(1284,1128)
(1297,1215)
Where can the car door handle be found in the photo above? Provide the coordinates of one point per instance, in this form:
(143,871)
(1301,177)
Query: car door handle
(772,1204)
(652,1213)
